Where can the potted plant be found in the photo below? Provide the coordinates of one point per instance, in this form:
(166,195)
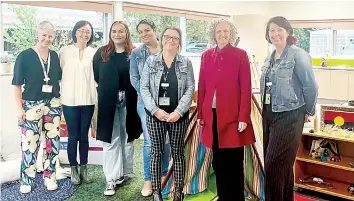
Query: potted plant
(5,65)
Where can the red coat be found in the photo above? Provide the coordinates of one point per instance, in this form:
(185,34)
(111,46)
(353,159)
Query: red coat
(228,72)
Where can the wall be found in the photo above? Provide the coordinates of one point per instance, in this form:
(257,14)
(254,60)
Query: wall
(313,10)
(251,30)
(215,7)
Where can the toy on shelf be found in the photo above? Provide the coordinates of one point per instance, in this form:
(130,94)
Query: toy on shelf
(315,180)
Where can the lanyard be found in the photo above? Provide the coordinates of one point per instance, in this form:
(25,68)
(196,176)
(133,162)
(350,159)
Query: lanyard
(46,73)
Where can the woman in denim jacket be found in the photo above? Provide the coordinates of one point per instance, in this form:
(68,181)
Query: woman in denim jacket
(288,94)
(147,34)
(167,88)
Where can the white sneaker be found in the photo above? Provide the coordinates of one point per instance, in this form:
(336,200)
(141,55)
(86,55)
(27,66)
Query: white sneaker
(110,188)
(51,186)
(25,189)
(120,181)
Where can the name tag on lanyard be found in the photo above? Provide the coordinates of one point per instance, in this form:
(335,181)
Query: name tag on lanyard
(46,88)
(268,95)
(164,101)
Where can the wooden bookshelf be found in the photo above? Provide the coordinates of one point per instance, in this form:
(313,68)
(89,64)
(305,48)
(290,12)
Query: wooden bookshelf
(340,174)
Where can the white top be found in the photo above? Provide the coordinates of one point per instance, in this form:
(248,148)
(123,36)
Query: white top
(78,86)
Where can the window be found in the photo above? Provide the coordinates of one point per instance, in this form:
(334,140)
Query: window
(197,37)
(20,24)
(161,21)
(344,44)
(316,41)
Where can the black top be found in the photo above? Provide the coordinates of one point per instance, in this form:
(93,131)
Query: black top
(169,76)
(28,71)
(108,80)
(122,63)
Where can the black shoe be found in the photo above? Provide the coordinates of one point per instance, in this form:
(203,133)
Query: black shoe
(156,196)
(178,196)
(215,199)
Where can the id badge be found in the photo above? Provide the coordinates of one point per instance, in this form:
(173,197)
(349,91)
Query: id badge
(165,85)
(165,101)
(47,88)
(267,99)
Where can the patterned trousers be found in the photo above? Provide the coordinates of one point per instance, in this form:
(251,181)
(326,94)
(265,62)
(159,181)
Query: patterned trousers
(176,131)
(42,118)
(282,134)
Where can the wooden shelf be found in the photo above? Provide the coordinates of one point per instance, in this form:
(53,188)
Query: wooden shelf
(303,155)
(339,190)
(325,135)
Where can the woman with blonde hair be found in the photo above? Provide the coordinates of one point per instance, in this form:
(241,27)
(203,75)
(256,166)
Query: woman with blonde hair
(224,108)
(116,106)
(167,88)
(38,106)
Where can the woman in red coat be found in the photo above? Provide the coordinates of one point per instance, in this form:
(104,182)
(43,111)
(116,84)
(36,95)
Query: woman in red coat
(224,102)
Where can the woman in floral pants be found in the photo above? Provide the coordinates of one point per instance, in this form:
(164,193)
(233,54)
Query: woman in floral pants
(38,106)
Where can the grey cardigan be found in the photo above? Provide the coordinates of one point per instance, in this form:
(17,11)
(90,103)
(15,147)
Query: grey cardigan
(151,77)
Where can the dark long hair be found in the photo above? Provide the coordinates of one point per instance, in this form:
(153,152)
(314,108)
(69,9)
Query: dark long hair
(109,49)
(284,23)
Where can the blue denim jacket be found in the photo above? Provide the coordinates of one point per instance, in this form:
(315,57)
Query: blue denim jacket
(151,77)
(137,61)
(293,81)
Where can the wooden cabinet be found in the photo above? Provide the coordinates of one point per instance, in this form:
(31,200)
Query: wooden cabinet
(322,78)
(339,174)
(335,84)
(351,85)
(339,84)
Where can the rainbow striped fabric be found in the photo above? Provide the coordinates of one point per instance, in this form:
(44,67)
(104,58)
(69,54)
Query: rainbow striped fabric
(198,160)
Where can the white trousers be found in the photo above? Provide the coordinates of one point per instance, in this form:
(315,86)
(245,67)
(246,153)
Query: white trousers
(118,155)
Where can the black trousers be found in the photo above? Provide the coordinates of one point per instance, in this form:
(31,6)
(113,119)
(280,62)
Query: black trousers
(78,121)
(228,168)
(282,134)
(176,132)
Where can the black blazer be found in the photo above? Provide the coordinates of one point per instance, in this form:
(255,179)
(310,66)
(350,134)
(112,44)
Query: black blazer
(107,100)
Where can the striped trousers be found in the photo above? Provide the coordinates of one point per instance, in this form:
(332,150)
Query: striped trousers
(176,131)
(282,134)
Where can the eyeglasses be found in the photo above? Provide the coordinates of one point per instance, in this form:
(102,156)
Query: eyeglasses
(167,38)
(84,32)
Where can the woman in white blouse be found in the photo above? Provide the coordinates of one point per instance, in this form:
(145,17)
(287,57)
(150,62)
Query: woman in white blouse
(78,96)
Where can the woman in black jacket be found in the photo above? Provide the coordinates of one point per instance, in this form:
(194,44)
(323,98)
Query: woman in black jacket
(116,106)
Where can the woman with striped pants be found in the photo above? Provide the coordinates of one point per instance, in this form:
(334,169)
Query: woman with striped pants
(167,88)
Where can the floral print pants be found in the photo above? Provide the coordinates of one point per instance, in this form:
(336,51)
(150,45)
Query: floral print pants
(42,118)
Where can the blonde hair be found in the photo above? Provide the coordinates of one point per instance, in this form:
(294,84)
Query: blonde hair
(45,25)
(212,27)
(179,31)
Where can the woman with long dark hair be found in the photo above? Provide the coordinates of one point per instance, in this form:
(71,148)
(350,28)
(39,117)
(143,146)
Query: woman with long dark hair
(150,46)
(116,98)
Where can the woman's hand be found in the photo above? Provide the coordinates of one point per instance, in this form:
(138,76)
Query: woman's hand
(200,122)
(161,115)
(174,116)
(242,126)
(21,115)
(307,118)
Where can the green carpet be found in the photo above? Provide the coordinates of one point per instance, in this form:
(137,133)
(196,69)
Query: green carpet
(129,190)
